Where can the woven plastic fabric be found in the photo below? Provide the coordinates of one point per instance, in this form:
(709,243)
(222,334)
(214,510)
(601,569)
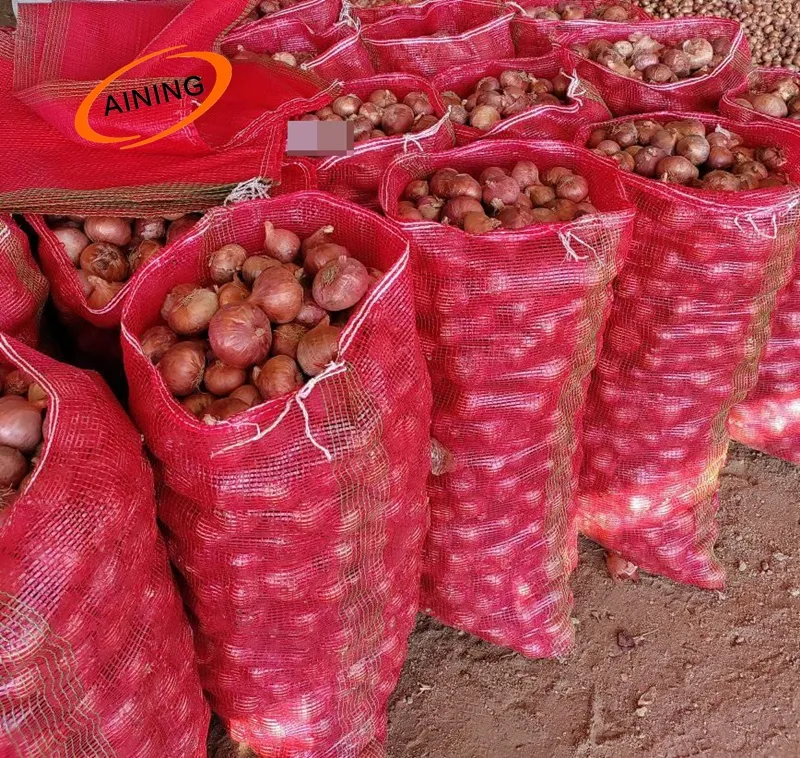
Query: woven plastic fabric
(688,327)
(429,38)
(510,323)
(319,15)
(339,52)
(372,15)
(534,36)
(559,122)
(356,177)
(758,80)
(628,96)
(23,289)
(96,653)
(297,175)
(298,526)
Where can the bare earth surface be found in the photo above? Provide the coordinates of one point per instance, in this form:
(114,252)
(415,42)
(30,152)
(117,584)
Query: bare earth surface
(711,674)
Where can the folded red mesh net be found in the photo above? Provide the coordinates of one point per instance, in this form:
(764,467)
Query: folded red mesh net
(96,653)
(319,15)
(688,327)
(297,526)
(510,323)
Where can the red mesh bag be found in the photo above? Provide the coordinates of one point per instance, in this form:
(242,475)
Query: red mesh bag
(297,175)
(534,36)
(319,15)
(509,323)
(374,14)
(23,289)
(688,326)
(298,526)
(559,122)
(97,655)
(356,176)
(339,52)
(64,49)
(429,38)
(758,80)
(628,96)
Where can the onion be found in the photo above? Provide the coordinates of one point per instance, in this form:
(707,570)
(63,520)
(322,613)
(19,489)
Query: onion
(279,376)
(607,147)
(625,134)
(222,379)
(197,402)
(85,285)
(422,123)
(180,226)
(175,295)
(658,74)
(720,181)
(297,271)
(13,467)
(226,262)
(719,158)
(281,244)
(525,173)
(450,98)
(255,265)
(492,172)
(142,254)
(111,229)
(156,341)
(494,99)
(73,240)
(37,397)
(106,261)
(458,114)
(694,148)
(415,189)
(15,383)
(584,209)
(223,409)
(624,161)
(645,131)
(676,169)
(540,194)
(464,185)
(645,162)
(182,367)
(699,52)
(383,98)
(678,62)
(248,394)
(595,138)
(501,192)
(346,105)
(407,211)
(644,60)
(511,78)
(772,157)
(786,89)
(321,255)
(233,292)
(318,237)
(759,170)
(769,105)
(20,424)
(318,348)
(192,313)
(553,175)
(563,209)
(286,337)
(456,209)
(515,218)
(362,128)
(310,313)
(102,293)
(240,335)
(687,127)
(278,294)
(440,181)
(484,117)
(479,223)
(340,284)
(286,58)
(615,13)
(419,103)
(574,188)
(152,228)
(664,140)
(372,112)
(397,119)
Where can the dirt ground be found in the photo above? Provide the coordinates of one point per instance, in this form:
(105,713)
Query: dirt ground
(711,674)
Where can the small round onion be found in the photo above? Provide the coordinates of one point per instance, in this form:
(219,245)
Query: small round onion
(458,114)
(182,367)
(281,244)
(699,52)
(456,209)
(501,192)
(320,255)
(479,223)
(415,189)
(222,379)
(111,229)
(720,181)
(383,98)
(773,158)
(255,265)
(278,294)
(346,105)
(310,313)
(233,292)
(515,218)
(676,169)
(664,140)
(102,293)
(525,173)
(240,335)
(608,147)
(407,211)
(279,376)
(37,397)
(20,424)
(658,74)
(574,188)
(180,226)
(464,185)
(223,409)
(624,134)
(248,394)
(484,117)
(106,261)
(174,296)
(615,13)
(678,62)
(224,263)
(15,383)
(397,119)
(372,112)
(197,402)
(430,208)
(142,254)
(156,341)
(595,138)
(286,337)
(340,284)
(553,175)
(624,161)
(73,240)
(13,467)
(694,148)
(719,158)
(540,194)
(564,209)
(759,170)
(318,348)
(192,313)
(440,181)
(419,103)
(647,159)
(152,228)
(643,60)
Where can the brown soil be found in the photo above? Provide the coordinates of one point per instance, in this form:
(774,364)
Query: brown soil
(711,674)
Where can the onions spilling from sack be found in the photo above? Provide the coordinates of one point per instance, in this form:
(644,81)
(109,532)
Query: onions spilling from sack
(683,152)
(22,404)
(498,198)
(262,326)
(507,95)
(646,59)
(781,99)
(575,12)
(382,114)
(108,250)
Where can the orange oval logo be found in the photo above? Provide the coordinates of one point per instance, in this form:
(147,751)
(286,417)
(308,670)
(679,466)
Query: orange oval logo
(222,69)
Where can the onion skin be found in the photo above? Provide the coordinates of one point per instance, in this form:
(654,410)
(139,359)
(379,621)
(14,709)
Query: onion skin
(105,260)
(340,284)
(175,295)
(102,292)
(15,383)
(20,424)
(310,313)
(156,341)
(222,379)
(415,189)
(278,376)
(540,194)
(318,348)
(397,119)
(278,294)
(281,244)
(321,255)
(111,229)
(226,262)
(152,228)
(73,240)
(233,292)
(285,339)
(182,367)
(248,394)
(13,467)
(255,265)
(192,314)
(223,409)
(197,402)
(319,237)
(240,335)
(142,254)
(37,397)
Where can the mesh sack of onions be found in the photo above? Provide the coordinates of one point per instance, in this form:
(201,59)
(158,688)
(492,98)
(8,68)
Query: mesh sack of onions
(92,623)
(689,324)
(408,114)
(334,54)
(539,22)
(23,289)
(318,15)
(297,524)
(770,95)
(685,64)
(523,98)
(371,11)
(432,37)
(509,321)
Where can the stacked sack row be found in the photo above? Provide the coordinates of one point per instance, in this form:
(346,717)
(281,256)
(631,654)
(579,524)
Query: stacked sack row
(556,267)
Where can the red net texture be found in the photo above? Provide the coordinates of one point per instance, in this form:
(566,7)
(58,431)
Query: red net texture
(339,53)
(370,15)
(628,96)
(318,15)
(23,289)
(534,36)
(297,527)
(689,324)
(510,323)
(429,38)
(96,653)
(758,80)
(297,175)
(559,122)
(63,50)
(356,176)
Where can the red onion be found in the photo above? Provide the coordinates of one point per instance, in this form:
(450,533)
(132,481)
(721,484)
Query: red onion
(226,262)
(279,376)
(278,294)
(318,256)
(13,468)
(182,367)
(340,284)
(73,240)
(255,265)
(222,379)
(285,339)
(310,313)
(233,292)
(106,261)
(501,192)
(156,341)
(223,409)
(111,229)
(318,348)
(281,244)
(20,424)
(240,335)
(142,254)
(463,185)
(197,402)
(102,293)
(152,228)
(525,173)
(456,209)
(248,394)
(397,119)
(192,313)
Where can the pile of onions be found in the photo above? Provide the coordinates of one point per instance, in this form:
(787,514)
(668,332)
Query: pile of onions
(292,59)
(268,7)
(504,96)
(108,250)
(263,325)
(574,12)
(22,404)
(781,100)
(382,114)
(683,152)
(643,58)
(382,3)
(497,198)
